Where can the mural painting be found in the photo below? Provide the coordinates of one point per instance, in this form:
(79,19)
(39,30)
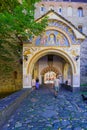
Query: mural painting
(49,77)
(52,38)
(66,28)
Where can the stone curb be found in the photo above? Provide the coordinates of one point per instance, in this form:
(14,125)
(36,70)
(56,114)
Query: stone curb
(8,110)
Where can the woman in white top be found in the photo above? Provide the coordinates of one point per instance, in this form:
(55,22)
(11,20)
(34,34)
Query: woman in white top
(56,86)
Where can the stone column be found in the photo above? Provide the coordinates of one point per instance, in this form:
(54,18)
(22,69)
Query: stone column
(76,83)
(40,79)
(27,80)
(76,77)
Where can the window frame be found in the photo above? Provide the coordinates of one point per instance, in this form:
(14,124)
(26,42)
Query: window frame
(80,12)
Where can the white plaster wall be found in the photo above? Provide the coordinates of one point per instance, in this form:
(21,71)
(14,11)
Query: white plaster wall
(42,64)
(57,63)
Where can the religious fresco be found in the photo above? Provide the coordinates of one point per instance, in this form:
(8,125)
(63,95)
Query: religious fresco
(66,28)
(49,77)
(52,38)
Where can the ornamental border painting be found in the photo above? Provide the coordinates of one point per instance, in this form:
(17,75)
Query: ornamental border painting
(52,38)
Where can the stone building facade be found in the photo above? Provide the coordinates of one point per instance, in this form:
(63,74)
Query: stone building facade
(61,49)
(70,10)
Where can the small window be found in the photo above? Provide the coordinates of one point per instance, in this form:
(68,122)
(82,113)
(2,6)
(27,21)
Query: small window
(42,8)
(60,10)
(69,11)
(80,28)
(80,12)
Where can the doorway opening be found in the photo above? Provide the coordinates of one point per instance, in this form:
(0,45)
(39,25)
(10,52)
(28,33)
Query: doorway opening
(48,66)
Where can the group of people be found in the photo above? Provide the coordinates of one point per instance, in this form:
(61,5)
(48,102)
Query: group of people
(35,83)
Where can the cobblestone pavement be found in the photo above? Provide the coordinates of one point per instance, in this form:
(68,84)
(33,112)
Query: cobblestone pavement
(41,111)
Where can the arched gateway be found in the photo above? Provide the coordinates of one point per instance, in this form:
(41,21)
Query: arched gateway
(56,51)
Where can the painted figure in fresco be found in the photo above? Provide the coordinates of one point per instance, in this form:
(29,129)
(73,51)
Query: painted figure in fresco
(60,39)
(38,40)
(43,40)
(52,39)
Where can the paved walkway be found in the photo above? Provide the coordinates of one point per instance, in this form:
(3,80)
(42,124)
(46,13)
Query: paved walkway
(41,111)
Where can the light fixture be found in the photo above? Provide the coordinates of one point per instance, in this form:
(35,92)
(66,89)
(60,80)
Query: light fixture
(25,57)
(77,57)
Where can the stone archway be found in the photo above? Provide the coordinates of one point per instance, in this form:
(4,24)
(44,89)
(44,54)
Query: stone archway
(49,73)
(68,51)
(50,50)
(50,68)
(42,51)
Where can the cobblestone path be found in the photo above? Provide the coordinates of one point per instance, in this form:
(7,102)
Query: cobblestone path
(41,111)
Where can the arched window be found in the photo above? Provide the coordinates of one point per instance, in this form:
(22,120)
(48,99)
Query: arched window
(60,10)
(69,11)
(80,12)
(80,28)
(42,8)
(51,7)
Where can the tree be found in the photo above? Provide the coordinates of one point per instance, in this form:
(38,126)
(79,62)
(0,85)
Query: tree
(16,25)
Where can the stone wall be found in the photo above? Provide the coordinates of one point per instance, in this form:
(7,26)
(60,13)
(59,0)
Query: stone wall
(83,64)
(9,81)
(10,104)
(75,20)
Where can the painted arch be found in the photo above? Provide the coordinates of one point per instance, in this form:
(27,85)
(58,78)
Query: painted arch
(52,38)
(47,51)
(50,68)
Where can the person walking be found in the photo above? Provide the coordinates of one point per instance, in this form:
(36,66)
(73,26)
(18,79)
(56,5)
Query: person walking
(56,86)
(37,83)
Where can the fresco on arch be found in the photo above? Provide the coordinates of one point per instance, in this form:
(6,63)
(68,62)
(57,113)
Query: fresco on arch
(52,38)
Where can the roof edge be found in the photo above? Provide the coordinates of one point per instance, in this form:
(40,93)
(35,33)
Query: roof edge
(50,11)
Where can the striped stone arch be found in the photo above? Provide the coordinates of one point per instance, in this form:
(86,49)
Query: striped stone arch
(50,68)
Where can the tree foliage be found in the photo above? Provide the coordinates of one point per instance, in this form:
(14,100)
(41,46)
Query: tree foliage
(16,25)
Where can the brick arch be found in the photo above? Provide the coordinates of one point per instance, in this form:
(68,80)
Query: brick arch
(50,68)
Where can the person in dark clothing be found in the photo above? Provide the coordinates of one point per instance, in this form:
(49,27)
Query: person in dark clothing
(37,83)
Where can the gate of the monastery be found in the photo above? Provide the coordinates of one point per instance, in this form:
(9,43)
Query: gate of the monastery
(55,52)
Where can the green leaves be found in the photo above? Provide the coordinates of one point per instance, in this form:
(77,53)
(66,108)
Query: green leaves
(8,5)
(15,19)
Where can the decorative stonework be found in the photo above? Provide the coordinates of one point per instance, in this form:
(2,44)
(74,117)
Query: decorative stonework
(57,34)
(65,28)
(72,52)
(50,68)
(60,39)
